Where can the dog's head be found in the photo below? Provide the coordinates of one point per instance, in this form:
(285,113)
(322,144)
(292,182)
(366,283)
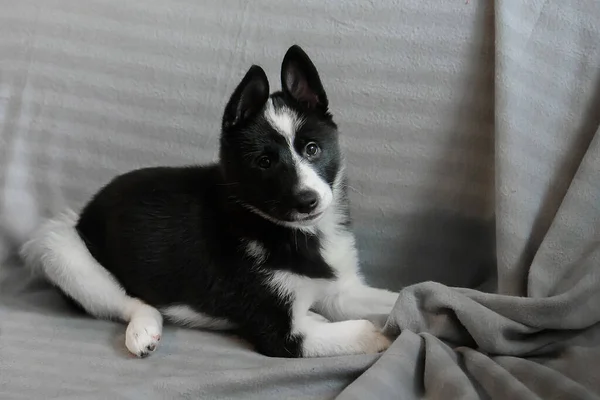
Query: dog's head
(280,152)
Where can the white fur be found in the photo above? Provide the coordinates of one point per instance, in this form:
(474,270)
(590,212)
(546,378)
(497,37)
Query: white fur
(57,251)
(322,338)
(186,316)
(256,251)
(302,290)
(352,299)
(309,179)
(348,297)
(144,329)
(283,120)
(338,247)
(328,339)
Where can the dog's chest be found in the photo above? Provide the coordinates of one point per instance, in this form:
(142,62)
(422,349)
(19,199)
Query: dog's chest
(338,247)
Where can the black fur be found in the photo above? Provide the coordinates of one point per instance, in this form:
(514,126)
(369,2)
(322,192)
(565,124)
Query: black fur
(175,236)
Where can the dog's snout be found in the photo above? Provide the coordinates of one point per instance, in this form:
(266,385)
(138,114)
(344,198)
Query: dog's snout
(307,201)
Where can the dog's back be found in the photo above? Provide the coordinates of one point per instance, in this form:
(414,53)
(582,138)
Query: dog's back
(158,230)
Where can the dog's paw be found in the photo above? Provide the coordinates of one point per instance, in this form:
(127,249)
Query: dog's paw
(369,338)
(142,336)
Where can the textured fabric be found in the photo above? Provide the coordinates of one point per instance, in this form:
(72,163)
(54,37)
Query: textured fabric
(471,134)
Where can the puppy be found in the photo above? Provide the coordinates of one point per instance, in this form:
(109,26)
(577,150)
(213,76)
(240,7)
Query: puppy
(259,242)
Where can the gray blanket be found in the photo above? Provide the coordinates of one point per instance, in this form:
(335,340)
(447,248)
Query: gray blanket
(473,147)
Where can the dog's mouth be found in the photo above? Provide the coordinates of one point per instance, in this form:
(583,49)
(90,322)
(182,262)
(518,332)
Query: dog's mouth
(292,220)
(308,218)
(304,220)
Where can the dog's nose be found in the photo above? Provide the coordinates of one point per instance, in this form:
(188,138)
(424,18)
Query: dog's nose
(306,201)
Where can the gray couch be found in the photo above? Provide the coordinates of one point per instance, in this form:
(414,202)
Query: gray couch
(471,134)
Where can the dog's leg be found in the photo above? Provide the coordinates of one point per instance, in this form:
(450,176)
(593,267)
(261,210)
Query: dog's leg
(322,338)
(353,299)
(289,329)
(310,335)
(57,252)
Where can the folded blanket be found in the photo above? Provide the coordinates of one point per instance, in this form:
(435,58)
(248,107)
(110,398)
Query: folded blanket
(538,335)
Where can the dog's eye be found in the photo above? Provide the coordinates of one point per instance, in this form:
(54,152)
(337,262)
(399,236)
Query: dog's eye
(312,150)
(264,162)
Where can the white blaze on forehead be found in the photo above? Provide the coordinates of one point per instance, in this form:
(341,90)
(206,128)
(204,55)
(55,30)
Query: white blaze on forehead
(283,120)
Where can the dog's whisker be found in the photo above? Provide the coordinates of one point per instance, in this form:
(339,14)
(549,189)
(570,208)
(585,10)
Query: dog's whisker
(355,190)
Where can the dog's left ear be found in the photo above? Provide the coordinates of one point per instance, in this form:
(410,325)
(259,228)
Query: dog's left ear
(300,80)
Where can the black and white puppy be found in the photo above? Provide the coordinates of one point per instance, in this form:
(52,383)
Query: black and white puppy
(259,243)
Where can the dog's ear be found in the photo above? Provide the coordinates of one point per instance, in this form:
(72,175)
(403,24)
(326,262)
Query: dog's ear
(300,80)
(248,98)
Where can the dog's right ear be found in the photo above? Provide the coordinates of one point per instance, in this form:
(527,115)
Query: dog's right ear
(247,99)
(300,80)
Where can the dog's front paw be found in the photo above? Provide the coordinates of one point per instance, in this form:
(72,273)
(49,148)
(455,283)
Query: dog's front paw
(142,336)
(369,338)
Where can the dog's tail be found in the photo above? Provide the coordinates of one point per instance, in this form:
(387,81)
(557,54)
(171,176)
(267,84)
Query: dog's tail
(57,252)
